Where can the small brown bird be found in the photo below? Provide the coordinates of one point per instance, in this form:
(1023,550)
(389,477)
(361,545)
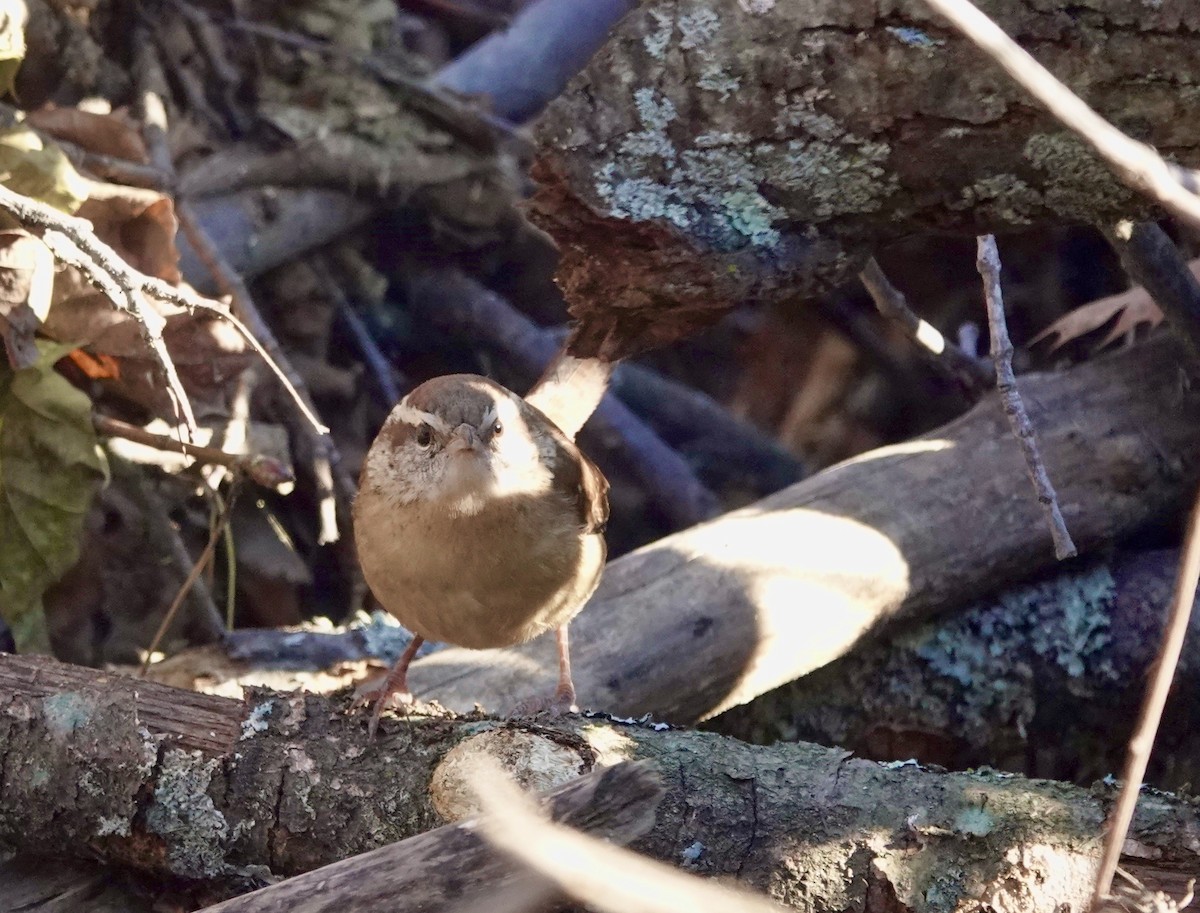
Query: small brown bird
(478,521)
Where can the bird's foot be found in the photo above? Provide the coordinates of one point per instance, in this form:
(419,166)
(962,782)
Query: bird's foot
(378,692)
(553,706)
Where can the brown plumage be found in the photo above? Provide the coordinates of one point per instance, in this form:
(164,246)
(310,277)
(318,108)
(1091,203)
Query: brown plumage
(478,521)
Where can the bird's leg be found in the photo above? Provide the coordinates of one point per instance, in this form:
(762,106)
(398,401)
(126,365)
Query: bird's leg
(563,700)
(395,683)
(564,694)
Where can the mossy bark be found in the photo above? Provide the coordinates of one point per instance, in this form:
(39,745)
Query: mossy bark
(720,148)
(206,788)
(1044,678)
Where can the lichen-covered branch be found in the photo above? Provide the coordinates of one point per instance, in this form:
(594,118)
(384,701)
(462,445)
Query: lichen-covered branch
(1034,679)
(719,148)
(207,788)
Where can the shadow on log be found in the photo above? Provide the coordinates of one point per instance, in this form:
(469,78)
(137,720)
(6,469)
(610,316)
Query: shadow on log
(716,615)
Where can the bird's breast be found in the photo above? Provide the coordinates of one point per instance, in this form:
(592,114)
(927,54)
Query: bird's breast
(490,579)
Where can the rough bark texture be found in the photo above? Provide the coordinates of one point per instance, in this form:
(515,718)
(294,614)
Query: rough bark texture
(1044,679)
(716,148)
(713,616)
(452,867)
(89,770)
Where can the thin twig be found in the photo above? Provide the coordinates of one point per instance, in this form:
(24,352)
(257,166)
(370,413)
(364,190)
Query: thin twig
(988,262)
(207,617)
(1142,740)
(73,242)
(193,576)
(1152,261)
(591,871)
(333,482)
(944,354)
(381,369)
(1137,164)
(264,470)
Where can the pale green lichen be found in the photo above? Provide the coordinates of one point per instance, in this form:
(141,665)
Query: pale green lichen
(184,815)
(656,41)
(1077,183)
(974,821)
(1004,196)
(697,31)
(1064,620)
(914,37)
(710,189)
(67,711)
(113,827)
(257,720)
(836,178)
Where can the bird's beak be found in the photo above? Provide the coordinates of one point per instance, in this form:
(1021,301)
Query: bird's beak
(464,438)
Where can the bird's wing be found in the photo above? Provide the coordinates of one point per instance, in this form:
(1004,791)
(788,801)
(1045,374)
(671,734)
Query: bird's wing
(570,390)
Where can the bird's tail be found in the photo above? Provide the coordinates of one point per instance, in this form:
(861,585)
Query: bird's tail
(570,389)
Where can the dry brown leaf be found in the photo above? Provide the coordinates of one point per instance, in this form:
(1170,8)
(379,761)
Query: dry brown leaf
(26,280)
(112,134)
(1132,309)
(138,224)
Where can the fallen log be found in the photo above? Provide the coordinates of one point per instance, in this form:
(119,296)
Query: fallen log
(450,866)
(1043,678)
(713,616)
(720,150)
(211,789)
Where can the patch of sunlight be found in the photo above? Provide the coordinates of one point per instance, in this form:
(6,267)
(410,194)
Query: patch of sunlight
(815,581)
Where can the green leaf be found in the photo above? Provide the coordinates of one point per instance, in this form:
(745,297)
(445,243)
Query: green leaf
(13,18)
(51,466)
(39,169)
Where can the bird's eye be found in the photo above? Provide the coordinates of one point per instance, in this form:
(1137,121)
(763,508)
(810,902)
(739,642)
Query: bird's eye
(424,436)
(497,429)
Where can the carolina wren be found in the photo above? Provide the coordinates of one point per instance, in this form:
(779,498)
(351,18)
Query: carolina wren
(478,521)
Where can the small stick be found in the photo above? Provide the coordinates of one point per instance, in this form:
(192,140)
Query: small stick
(325,456)
(988,262)
(1137,164)
(197,569)
(266,471)
(946,356)
(1142,740)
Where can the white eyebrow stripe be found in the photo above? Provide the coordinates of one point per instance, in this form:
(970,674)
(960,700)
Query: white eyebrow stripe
(412,416)
(490,416)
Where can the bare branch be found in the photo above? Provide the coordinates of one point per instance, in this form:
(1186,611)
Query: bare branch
(1135,163)
(945,355)
(524,67)
(1142,740)
(590,871)
(264,470)
(988,262)
(1152,260)
(73,241)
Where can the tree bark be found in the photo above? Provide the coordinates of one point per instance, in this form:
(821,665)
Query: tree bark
(103,766)
(1044,678)
(711,617)
(720,148)
(450,866)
